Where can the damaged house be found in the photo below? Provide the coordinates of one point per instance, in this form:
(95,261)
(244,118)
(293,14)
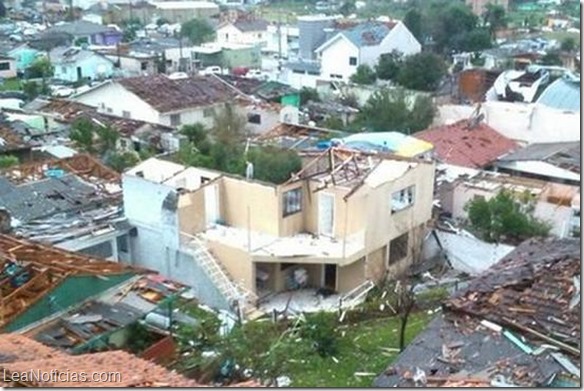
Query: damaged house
(346,220)
(515,325)
(72,203)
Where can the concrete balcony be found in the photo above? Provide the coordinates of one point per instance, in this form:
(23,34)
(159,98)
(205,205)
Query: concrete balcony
(301,248)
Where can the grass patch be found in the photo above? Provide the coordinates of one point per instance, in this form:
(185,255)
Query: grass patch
(359,351)
(11,85)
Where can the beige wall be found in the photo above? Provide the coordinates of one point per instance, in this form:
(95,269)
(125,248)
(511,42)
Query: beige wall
(376,264)
(237,263)
(191,212)
(349,277)
(238,197)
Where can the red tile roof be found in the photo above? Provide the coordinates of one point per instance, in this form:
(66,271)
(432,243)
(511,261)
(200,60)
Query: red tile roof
(461,145)
(18,348)
(166,95)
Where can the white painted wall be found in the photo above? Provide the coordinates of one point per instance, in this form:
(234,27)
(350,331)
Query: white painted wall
(299,80)
(335,59)
(526,123)
(400,39)
(231,34)
(191,116)
(111,98)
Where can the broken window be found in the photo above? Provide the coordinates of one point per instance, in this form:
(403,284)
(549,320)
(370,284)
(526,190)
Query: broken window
(175,119)
(353,61)
(398,248)
(292,201)
(4,66)
(254,118)
(402,199)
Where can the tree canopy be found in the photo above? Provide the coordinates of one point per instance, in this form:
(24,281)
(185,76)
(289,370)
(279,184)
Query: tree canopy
(197,31)
(396,110)
(413,21)
(364,75)
(568,44)
(505,217)
(222,147)
(495,18)
(423,72)
(389,65)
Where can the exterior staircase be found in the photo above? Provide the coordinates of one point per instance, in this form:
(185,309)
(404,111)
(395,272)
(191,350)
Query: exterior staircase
(238,297)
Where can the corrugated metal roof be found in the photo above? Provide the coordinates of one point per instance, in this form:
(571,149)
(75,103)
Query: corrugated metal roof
(563,94)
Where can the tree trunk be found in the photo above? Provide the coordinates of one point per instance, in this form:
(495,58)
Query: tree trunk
(402,328)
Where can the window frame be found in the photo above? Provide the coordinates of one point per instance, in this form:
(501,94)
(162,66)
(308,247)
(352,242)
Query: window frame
(292,202)
(351,62)
(406,197)
(175,119)
(251,118)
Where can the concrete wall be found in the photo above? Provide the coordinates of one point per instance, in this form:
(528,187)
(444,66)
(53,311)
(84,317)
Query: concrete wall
(237,263)
(247,204)
(10,72)
(400,39)
(376,265)
(94,67)
(351,276)
(191,212)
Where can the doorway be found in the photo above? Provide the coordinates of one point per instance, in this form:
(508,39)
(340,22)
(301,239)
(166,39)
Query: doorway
(211,205)
(79,74)
(330,277)
(326,214)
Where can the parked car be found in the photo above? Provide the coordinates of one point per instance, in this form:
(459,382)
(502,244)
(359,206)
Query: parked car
(61,91)
(256,74)
(212,70)
(178,76)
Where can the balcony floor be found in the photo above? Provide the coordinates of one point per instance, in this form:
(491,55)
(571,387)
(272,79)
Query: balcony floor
(301,245)
(303,300)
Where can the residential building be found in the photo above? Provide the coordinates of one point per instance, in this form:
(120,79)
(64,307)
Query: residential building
(72,203)
(282,40)
(106,320)
(24,56)
(134,135)
(75,65)
(227,56)
(553,162)
(524,123)
(312,34)
(158,99)
(467,143)
(515,325)
(13,143)
(84,32)
(363,44)
(562,94)
(557,204)
(161,100)
(243,31)
(42,280)
(129,63)
(254,239)
(7,67)
(479,7)
(182,11)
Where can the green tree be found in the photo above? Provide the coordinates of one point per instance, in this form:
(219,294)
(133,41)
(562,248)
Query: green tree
(364,75)
(333,122)
(121,161)
(130,28)
(568,44)
(195,133)
(197,31)
(40,68)
(83,134)
(274,165)
(423,72)
(551,59)
(449,25)
(108,139)
(308,94)
(31,89)
(8,161)
(474,41)
(347,8)
(413,21)
(396,110)
(495,18)
(389,65)
(505,217)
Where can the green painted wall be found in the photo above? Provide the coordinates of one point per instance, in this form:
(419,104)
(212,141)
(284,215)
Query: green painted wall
(72,291)
(246,57)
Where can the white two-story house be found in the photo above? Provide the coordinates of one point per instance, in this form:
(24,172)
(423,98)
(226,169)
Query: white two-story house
(363,44)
